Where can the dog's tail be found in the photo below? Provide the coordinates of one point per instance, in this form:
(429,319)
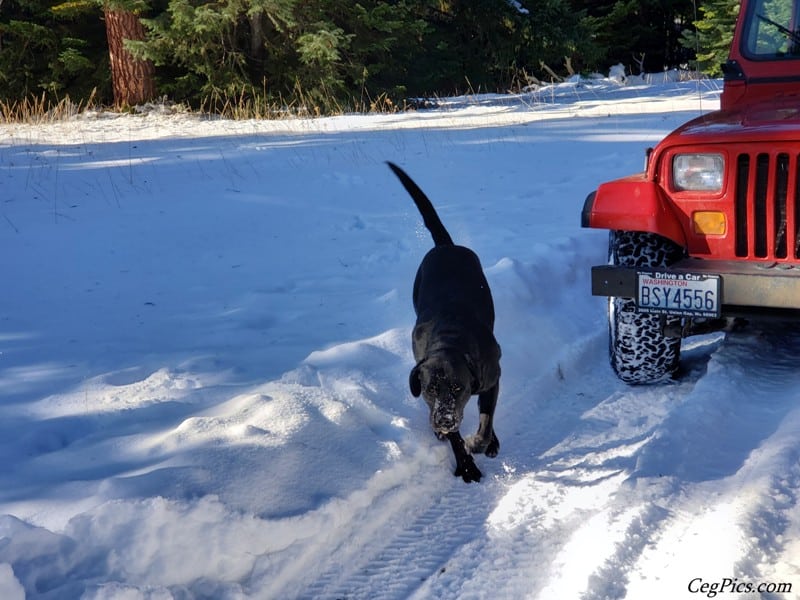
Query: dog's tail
(429,216)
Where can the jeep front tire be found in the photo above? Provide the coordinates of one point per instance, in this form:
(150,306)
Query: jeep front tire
(638,349)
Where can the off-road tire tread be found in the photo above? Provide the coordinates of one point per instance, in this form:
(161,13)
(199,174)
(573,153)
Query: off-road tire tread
(639,351)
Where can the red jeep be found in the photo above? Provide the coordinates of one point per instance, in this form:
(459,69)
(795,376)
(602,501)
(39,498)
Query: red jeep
(711,229)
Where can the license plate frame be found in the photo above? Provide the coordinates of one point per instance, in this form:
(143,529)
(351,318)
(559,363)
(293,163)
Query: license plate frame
(679,294)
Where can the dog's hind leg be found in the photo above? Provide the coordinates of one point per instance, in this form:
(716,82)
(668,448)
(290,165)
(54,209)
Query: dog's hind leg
(485,440)
(465,464)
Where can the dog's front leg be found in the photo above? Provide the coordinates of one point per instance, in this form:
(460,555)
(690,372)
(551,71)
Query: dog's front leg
(485,440)
(465,464)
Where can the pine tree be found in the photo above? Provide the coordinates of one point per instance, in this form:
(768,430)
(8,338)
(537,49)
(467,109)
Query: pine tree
(359,52)
(714,32)
(51,48)
(213,49)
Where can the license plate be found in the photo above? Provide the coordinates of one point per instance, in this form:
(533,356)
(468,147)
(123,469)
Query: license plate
(682,294)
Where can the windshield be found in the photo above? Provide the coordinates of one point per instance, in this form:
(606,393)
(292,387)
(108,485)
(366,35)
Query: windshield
(771,31)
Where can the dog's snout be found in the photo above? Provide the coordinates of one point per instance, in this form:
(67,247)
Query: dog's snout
(445,417)
(445,423)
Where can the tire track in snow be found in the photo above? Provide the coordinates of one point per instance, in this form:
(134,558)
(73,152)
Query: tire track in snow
(361,545)
(409,547)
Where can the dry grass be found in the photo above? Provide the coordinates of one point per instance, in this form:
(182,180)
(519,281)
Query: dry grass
(257,104)
(250,103)
(36,110)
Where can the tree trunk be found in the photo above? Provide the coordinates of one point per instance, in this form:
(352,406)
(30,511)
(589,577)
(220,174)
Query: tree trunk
(133,80)
(256,36)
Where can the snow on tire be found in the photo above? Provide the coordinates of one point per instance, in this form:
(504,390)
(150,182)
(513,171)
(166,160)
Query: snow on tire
(638,349)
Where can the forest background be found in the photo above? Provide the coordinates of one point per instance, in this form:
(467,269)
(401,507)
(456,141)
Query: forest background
(326,56)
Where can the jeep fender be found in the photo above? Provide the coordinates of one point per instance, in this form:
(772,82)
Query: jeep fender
(632,204)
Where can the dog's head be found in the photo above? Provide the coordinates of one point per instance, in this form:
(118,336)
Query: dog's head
(446,382)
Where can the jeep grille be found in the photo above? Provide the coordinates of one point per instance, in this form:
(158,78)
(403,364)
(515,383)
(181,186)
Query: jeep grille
(767,213)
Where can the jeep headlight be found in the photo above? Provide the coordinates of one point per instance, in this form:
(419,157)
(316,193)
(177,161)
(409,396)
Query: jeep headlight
(698,172)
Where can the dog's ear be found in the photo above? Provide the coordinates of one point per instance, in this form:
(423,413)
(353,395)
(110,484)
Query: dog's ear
(413,381)
(475,383)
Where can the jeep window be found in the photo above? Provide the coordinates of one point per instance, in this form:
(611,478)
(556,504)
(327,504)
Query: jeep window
(772,30)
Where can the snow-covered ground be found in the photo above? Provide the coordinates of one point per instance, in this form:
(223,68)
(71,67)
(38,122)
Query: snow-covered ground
(204,356)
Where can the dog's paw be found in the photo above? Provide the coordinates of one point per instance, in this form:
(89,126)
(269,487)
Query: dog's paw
(481,445)
(468,470)
(475,444)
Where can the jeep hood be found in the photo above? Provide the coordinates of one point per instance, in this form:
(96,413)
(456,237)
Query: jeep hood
(776,120)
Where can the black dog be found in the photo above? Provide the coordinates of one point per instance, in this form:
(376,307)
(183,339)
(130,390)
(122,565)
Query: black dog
(453,341)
